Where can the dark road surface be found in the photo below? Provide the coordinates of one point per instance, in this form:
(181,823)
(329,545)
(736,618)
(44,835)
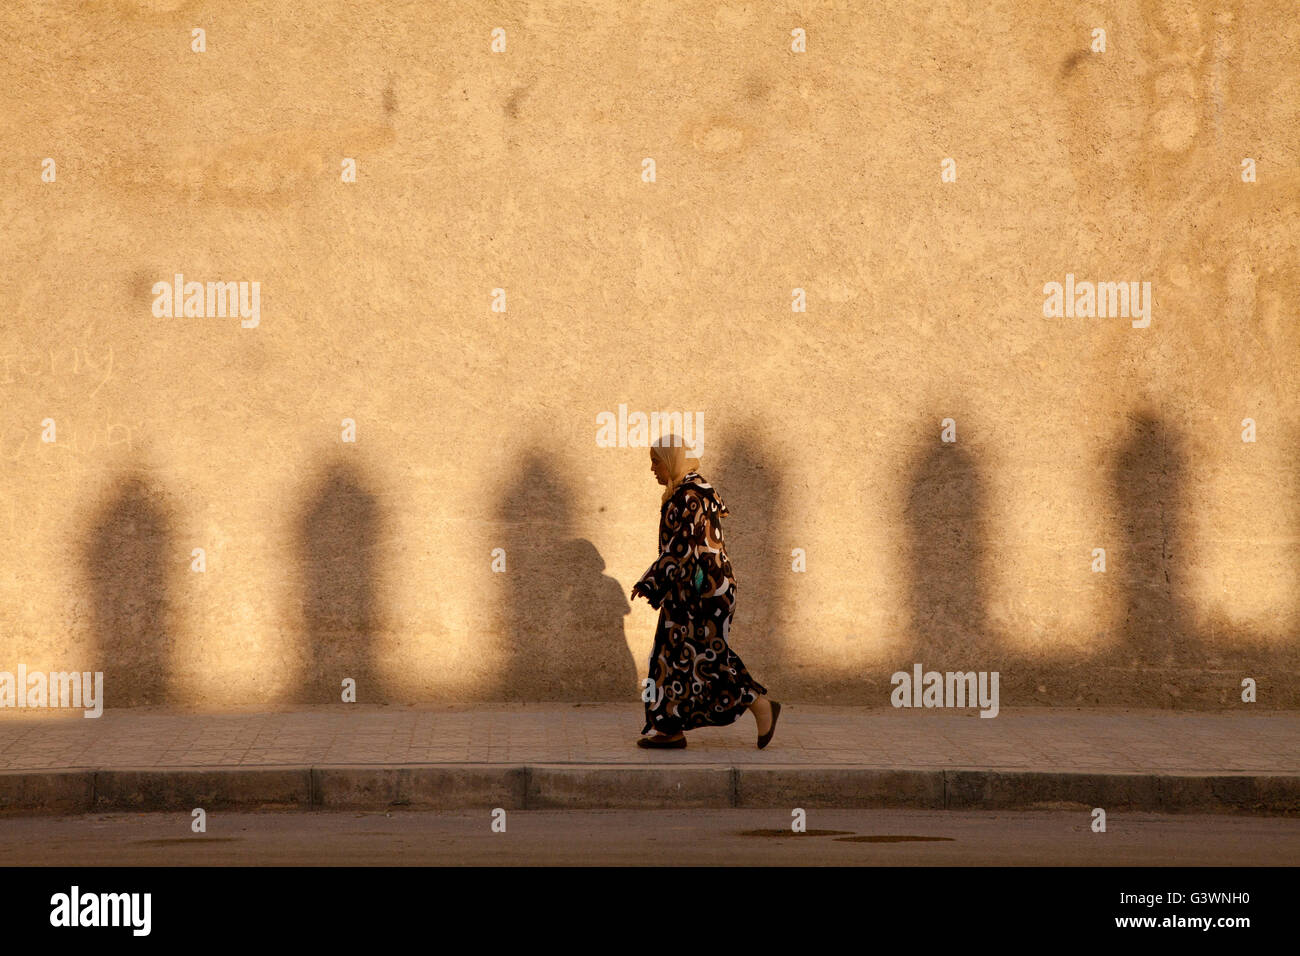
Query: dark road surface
(670,837)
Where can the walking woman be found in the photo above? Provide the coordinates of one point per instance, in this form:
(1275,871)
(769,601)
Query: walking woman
(698,680)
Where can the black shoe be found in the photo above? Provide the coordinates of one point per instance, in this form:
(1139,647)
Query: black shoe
(766,738)
(659,743)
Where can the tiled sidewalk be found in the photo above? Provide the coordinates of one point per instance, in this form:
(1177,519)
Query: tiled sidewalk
(1086,741)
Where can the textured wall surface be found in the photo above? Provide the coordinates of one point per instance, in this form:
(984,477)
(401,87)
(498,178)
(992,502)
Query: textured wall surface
(522,170)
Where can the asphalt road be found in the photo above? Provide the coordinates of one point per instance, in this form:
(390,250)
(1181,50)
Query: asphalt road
(667,837)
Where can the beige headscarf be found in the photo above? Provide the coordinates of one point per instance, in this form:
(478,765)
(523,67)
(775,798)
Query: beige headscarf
(676,460)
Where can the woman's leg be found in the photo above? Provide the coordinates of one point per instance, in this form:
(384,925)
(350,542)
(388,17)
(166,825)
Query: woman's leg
(659,671)
(762,711)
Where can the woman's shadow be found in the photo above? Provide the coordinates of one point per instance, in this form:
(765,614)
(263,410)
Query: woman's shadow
(561,630)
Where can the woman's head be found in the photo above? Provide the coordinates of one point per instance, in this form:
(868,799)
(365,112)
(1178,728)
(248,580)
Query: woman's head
(671,461)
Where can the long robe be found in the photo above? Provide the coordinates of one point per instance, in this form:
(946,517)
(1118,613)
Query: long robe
(698,679)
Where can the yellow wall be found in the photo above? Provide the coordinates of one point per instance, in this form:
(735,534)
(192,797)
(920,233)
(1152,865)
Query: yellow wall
(476,430)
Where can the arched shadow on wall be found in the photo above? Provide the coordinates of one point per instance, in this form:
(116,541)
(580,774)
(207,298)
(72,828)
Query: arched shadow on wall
(750,485)
(1149,477)
(128,563)
(562,620)
(946,554)
(338,536)
(1291,648)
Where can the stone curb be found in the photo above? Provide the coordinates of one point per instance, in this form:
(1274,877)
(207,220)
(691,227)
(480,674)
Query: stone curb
(634,787)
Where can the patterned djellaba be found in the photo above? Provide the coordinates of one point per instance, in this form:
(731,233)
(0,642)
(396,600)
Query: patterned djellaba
(698,679)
